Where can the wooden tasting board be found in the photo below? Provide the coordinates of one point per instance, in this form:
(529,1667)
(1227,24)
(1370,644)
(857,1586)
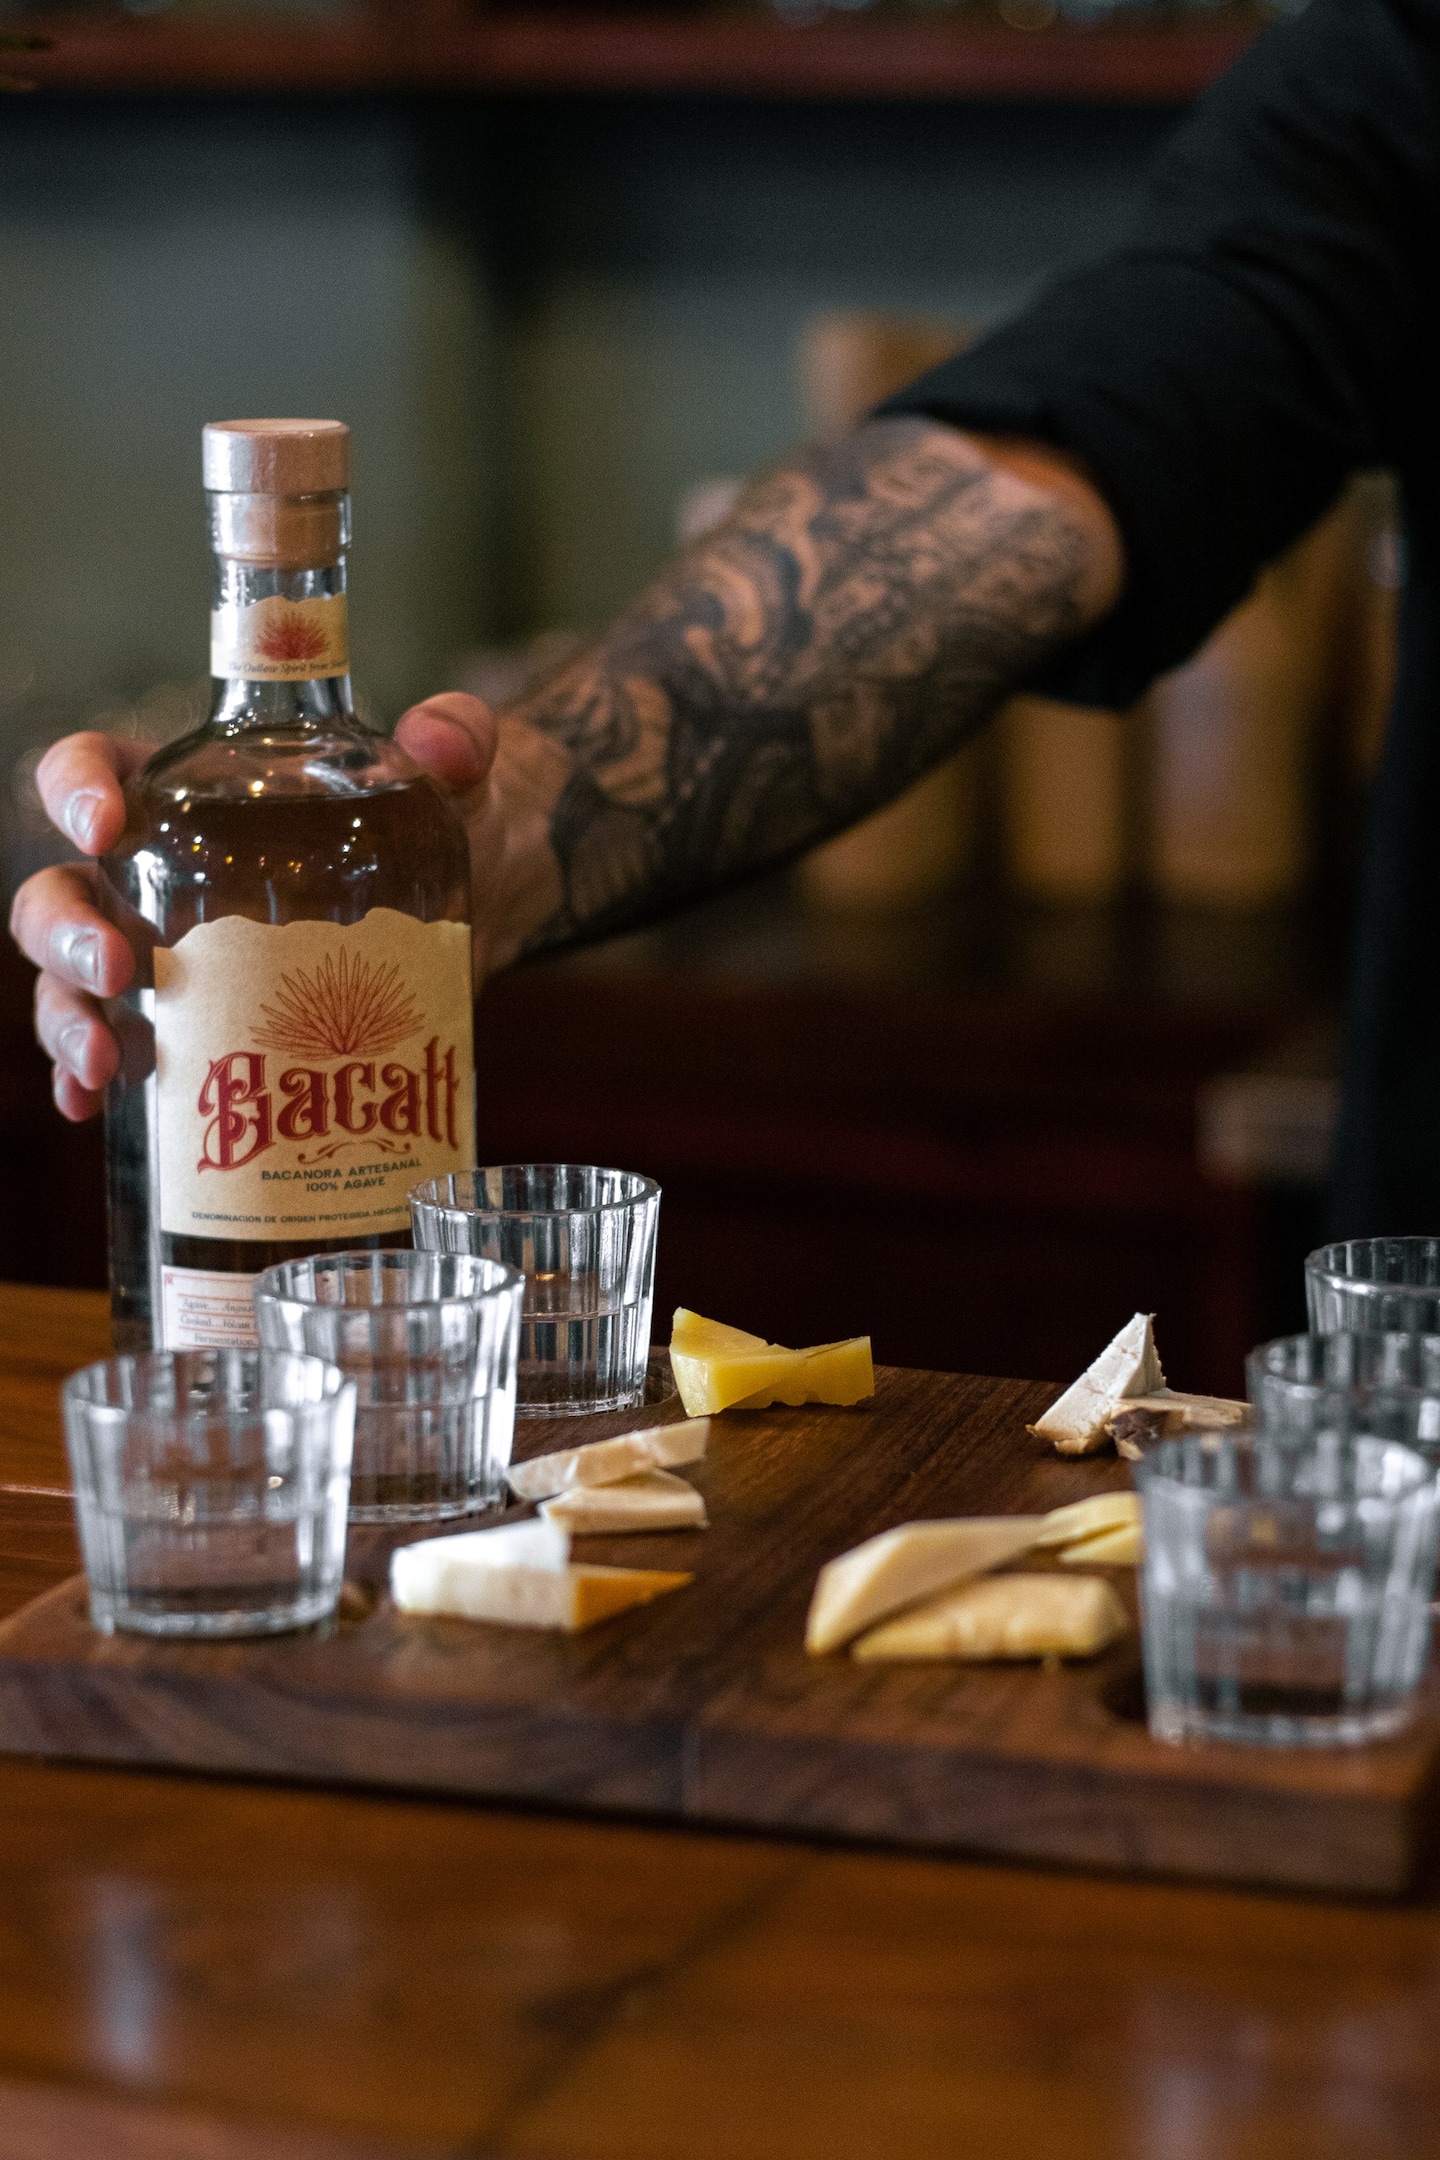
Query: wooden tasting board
(704,1706)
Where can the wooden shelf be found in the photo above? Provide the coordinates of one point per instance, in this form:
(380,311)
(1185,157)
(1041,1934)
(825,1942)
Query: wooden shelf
(1157,64)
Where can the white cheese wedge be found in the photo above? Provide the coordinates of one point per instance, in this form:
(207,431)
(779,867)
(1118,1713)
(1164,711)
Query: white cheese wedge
(607,1462)
(1123,1546)
(903,1565)
(653,1501)
(518,1575)
(1087,1518)
(1007,1616)
(421,1574)
(1130,1365)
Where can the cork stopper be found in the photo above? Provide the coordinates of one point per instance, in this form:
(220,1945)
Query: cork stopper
(277,457)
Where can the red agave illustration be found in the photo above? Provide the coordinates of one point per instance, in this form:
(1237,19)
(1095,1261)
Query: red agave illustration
(291,637)
(339,1010)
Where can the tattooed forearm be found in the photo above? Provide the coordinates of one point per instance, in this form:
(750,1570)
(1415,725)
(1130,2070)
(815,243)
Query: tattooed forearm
(861,611)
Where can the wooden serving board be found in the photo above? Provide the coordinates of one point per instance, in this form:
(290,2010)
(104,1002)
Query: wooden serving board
(704,1706)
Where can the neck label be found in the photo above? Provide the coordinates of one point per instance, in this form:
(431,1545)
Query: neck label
(278,640)
(309,1073)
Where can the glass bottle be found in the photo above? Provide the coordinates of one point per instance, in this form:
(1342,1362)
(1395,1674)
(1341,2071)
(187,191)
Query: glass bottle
(296,1050)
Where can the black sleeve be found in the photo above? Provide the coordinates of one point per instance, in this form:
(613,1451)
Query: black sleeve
(1266,333)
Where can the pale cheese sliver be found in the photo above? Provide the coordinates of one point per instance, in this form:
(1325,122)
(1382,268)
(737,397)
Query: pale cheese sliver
(607,1462)
(1123,1546)
(1087,1518)
(1006,1616)
(900,1566)
(653,1501)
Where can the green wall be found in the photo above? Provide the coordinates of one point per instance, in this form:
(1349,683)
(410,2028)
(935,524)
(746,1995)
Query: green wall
(542,320)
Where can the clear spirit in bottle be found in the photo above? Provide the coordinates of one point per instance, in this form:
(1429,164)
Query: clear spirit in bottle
(296,1051)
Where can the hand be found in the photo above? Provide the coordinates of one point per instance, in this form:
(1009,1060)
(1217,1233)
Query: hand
(57,920)
(503,777)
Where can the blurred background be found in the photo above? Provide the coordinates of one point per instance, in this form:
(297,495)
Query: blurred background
(1052,1039)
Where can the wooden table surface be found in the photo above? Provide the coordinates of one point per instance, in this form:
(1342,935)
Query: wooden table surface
(197,1970)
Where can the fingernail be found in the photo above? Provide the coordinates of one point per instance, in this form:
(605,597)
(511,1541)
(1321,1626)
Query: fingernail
(70,1048)
(82,956)
(81,814)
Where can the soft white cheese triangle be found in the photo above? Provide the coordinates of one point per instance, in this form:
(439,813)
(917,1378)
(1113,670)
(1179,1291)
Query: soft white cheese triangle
(607,1462)
(1130,1365)
(424,1576)
(655,1500)
(518,1575)
(902,1565)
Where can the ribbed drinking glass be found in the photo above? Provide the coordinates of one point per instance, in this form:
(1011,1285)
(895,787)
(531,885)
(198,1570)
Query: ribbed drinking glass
(1375,1286)
(1384,1386)
(429,1340)
(1285,1598)
(584,1240)
(210,1489)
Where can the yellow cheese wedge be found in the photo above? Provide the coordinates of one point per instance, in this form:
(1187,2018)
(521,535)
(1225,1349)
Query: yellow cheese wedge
(1121,1547)
(606,1462)
(720,1382)
(599,1593)
(723,1368)
(1087,1518)
(519,1575)
(1006,1616)
(693,1332)
(838,1373)
(903,1565)
(653,1501)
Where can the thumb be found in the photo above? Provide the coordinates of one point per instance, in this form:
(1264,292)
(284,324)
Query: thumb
(452,737)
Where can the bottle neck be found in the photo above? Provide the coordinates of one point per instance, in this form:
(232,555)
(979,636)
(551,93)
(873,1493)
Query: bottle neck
(279,646)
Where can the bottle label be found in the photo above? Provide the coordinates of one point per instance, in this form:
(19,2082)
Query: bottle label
(278,640)
(200,1309)
(309,1073)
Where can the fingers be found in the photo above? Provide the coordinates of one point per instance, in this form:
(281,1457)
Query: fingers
(71,1099)
(81,782)
(72,1030)
(452,737)
(57,924)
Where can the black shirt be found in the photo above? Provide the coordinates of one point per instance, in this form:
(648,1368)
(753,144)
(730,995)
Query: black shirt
(1271,329)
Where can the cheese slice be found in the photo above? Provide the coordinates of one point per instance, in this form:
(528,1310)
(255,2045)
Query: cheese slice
(414,1568)
(1087,1518)
(840,1373)
(1130,1365)
(694,1332)
(901,1566)
(569,1598)
(653,1501)
(1141,1420)
(421,1575)
(607,1462)
(519,1575)
(1008,1616)
(723,1368)
(1124,1546)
